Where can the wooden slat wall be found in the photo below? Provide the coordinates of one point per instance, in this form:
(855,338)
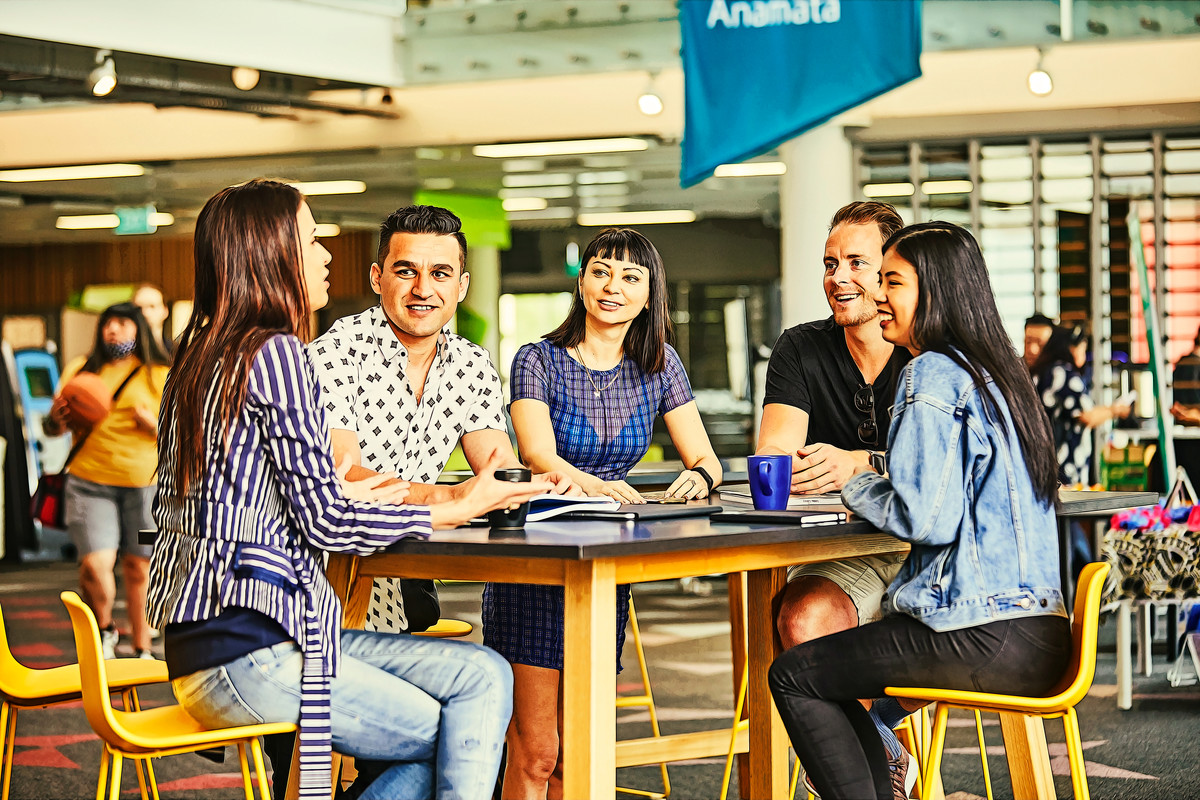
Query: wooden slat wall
(36,278)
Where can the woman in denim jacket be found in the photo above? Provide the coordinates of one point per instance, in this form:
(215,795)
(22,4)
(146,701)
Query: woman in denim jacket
(972,486)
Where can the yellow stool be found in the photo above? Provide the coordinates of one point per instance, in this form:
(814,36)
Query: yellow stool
(644,700)
(447,628)
(1070,690)
(143,735)
(23,687)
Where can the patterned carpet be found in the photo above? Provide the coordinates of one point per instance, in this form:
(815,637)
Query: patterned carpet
(1148,752)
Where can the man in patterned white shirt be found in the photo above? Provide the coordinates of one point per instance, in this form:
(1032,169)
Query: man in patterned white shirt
(400,392)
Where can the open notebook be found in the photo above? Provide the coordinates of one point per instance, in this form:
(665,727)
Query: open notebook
(547,506)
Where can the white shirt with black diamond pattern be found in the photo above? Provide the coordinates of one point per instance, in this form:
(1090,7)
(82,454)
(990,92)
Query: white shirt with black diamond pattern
(361,367)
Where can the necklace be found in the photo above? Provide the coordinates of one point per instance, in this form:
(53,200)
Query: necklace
(588,373)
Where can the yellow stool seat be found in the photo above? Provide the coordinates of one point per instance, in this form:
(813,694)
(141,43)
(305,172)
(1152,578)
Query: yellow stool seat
(1061,703)
(446,628)
(25,687)
(143,735)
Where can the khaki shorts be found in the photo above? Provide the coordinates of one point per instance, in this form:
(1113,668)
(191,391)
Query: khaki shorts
(864,580)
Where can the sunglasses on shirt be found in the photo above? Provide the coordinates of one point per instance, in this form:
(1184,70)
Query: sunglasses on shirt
(864,401)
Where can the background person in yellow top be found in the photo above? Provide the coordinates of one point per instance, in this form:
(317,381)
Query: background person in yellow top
(110,483)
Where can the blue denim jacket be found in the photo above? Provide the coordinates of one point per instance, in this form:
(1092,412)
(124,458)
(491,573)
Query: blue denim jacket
(984,548)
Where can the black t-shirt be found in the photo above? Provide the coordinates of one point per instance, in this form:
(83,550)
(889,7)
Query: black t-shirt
(811,369)
(1186,380)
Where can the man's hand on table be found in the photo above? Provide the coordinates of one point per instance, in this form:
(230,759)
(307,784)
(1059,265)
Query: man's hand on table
(822,467)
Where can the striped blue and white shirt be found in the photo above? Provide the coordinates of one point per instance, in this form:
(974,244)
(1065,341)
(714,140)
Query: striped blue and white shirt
(250,533)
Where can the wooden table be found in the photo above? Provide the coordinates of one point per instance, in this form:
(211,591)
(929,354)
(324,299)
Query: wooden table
(590,558)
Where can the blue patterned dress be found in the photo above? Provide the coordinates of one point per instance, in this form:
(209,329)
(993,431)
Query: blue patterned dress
(603,433)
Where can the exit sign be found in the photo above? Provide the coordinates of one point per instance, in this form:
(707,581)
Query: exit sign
(135,219)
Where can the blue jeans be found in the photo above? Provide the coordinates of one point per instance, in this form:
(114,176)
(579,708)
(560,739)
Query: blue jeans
(437,708)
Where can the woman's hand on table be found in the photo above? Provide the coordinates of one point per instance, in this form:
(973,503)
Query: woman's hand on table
(562,483)
(617,490)
(484,493)
(689,484)
(382,487)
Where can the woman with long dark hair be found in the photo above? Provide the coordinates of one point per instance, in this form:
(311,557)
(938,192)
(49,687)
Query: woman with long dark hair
(584,401)
(110,476)
(1058,378)
(972,485)
(249,500)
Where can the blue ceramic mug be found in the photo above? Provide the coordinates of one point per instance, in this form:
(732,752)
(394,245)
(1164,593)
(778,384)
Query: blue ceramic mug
(770,481)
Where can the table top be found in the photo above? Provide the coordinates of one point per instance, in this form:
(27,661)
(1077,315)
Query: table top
(655,473)
(1076,504)
(589,539)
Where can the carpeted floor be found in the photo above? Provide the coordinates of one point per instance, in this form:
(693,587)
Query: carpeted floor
(1150,751)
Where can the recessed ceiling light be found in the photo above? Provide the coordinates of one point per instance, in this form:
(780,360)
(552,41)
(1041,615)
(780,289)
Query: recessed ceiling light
(752,169)
(87,222)
(311,188)
(328,229)
(554,212)
(523,165)
(604,190)
(525,204)
(541,179)
(636,218)
(91,222)
(438,184)
(608,176)
(564,148)
(888,190)
(244,78)
(946,187)
(552,192)
(79,173)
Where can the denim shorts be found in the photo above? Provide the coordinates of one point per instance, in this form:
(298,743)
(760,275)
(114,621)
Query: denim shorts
(102,517)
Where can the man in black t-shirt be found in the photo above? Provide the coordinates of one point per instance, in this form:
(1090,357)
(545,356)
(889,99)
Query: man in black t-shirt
(830,388)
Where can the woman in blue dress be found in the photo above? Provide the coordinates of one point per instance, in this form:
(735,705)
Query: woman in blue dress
(584,400)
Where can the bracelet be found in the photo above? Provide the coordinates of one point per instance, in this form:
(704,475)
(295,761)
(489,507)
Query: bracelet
(703,473)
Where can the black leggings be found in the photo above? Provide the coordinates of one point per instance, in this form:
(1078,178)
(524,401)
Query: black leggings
(817,685)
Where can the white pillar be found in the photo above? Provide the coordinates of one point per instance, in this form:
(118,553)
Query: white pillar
(819,180)
(483,296)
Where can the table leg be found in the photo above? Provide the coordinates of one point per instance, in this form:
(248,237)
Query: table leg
(1146,638)
(1028,757)
(737,646)
(1124,655)
(767,776)
(589,680)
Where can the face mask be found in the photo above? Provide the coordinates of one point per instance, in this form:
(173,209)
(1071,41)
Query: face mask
(118,350)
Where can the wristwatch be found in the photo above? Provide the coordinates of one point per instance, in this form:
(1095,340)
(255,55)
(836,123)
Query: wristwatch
(876,460)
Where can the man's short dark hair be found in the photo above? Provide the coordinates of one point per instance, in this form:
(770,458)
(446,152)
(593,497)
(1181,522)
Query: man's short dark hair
(865,212)
(422,219)
(1039,319)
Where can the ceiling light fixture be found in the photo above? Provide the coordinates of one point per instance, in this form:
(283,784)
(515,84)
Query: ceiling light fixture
(553,192)
(328,229)
(525,204)
(92,222)
(245,78)
(946,187)
(564,148)
(636,218)
(82,172)
(1040,82)
(752,169)
(542,179)
(310,188)
(888,190)
(103,77)
(649,101)
(554,212)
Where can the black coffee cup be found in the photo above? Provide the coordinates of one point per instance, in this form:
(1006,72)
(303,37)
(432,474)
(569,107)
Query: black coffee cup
(511,519)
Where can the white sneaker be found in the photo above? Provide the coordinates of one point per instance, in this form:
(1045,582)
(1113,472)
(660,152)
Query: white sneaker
(145,655)
(108,642)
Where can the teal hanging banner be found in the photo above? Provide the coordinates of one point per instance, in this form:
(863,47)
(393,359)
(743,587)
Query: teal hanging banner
(760,72)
